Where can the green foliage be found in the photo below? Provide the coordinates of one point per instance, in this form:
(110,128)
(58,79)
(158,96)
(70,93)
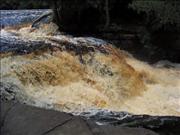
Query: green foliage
(159,12)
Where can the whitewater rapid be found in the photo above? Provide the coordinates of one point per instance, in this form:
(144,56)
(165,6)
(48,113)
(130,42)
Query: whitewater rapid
(59,80)
(45,68)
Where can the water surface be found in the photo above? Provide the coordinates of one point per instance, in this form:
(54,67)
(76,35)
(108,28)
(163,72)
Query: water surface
(14,17)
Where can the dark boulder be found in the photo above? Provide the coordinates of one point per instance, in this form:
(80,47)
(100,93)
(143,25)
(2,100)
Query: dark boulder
(19,119)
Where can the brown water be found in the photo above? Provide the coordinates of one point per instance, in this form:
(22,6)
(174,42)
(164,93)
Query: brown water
(114,81)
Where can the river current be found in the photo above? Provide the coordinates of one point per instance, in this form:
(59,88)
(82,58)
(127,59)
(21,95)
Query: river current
(95,84)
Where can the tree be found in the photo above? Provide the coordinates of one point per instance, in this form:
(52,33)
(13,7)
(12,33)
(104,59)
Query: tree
(159,13)
(107,13)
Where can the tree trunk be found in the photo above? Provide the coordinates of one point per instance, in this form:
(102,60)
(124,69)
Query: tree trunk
(107,13)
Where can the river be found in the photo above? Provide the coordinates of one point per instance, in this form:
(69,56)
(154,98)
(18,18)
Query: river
(83,75)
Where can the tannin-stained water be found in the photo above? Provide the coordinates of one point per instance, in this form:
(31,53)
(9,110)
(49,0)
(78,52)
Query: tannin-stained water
(62,80)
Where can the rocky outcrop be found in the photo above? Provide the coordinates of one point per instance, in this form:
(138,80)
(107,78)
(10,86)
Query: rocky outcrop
(19,119)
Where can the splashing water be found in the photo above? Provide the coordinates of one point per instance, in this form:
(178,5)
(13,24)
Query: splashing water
(61,79)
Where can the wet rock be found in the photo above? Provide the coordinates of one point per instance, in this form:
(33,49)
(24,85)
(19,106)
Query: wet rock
(19,119)
(22,119)
(161,124)
(12,43)
(5,107)
(8,91)
(118,130)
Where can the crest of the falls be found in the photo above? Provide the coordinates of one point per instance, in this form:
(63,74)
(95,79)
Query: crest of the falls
(14,17)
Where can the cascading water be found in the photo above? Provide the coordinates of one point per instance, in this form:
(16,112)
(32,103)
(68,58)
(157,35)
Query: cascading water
(83,75)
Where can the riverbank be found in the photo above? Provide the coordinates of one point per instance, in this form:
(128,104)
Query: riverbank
(20,119)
